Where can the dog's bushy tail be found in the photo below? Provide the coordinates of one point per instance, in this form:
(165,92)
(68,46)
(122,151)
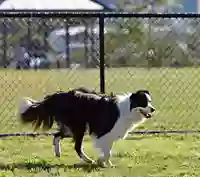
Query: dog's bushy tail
(36,112)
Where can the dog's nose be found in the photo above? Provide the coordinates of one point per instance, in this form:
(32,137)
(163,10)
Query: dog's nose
(153,109)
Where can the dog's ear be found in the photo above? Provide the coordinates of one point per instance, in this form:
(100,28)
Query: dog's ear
(133,101)
(143,91)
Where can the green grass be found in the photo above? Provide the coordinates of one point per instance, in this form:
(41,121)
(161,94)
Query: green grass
(176,95)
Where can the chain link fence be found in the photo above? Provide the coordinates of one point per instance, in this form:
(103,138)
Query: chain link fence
(43,55)
(163,56)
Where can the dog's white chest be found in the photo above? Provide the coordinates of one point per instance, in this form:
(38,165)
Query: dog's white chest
(123,124)
(127,120)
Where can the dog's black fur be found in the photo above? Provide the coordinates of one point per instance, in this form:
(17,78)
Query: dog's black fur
(77,109)
(63,130)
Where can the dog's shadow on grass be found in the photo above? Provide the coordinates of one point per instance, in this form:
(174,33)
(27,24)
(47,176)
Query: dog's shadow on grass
(47,166)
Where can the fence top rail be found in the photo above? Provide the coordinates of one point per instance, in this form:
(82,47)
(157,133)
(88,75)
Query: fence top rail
(89,14)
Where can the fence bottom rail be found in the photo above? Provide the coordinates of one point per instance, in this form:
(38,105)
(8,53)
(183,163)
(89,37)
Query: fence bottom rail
(139,132)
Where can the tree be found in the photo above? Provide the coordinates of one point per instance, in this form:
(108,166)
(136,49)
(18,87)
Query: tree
(129,44)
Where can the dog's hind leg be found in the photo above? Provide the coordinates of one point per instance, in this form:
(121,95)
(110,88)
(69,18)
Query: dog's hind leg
(78,138)
(56,144)
(64,132)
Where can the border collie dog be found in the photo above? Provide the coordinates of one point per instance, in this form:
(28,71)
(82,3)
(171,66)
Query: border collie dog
(107,118)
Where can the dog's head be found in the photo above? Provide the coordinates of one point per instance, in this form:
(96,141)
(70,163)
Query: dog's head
(141,101)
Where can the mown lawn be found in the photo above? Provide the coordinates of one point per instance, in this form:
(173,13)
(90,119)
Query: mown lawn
(176,95)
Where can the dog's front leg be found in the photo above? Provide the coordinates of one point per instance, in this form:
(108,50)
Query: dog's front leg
(104,159)
(105,148)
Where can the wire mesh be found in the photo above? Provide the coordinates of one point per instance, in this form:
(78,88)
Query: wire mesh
(40,56)
(161,55)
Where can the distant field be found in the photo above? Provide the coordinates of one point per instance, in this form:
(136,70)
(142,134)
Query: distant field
(176,96)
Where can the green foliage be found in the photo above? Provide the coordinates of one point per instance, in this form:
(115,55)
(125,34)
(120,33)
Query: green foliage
(123,46)
(130,42)
(152,43)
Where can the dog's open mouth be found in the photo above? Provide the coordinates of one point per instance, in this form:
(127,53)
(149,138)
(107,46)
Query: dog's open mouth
(146,115)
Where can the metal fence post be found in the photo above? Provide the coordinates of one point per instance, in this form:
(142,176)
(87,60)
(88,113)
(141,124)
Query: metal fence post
(101,53)
(67,41)
(93,52)
(86,36)
(5,43)
(45,27)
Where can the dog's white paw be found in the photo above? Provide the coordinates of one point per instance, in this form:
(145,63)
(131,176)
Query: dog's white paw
(111,164)
(86,159)
(89,161)
(101,163)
